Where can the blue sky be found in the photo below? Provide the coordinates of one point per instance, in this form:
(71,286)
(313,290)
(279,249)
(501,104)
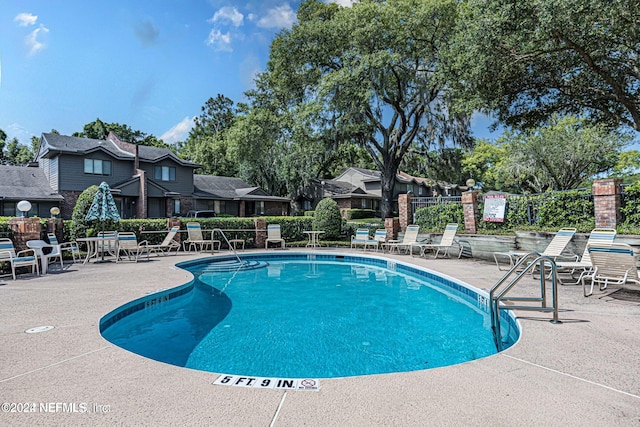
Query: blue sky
(148,64)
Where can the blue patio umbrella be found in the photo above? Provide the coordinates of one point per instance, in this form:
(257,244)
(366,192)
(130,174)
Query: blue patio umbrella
(103,207)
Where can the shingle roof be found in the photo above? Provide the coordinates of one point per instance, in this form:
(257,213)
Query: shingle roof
(72,144)
(223,187)
(19,182)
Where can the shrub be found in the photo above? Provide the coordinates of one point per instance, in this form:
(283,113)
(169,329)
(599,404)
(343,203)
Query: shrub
(328,219)
(631,209)
(80,227)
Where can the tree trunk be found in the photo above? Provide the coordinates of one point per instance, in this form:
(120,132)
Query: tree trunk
(388,185)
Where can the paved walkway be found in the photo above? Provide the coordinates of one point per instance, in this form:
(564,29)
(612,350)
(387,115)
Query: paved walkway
(585,371)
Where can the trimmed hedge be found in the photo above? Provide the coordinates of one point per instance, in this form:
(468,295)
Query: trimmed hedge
(435,218)
(359,213)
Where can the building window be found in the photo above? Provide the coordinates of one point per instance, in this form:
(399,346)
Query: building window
(97,167)
(420,190)
(164,173)
(9,209)
(176,206)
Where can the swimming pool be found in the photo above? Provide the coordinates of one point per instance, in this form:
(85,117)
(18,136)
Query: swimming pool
(300,315)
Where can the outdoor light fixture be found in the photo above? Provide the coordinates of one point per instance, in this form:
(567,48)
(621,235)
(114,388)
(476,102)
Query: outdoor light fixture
(470,183)
(54,211)
(24,206)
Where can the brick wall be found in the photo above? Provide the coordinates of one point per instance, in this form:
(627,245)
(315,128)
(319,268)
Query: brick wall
(69,202)
(24,229)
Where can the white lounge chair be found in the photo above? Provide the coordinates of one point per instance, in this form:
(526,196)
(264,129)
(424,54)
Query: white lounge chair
(46,253)
(613,264)
(26,258)
(597,237)
(553,250)
(167,244)
(361,238)
(274,236)
(446,242)
(410,238)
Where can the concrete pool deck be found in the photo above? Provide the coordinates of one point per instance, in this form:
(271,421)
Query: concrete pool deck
(585,371)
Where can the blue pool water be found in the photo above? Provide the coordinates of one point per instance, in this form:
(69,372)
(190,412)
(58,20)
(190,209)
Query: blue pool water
(300,316)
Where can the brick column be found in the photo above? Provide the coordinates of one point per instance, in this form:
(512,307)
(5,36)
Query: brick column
(606,202)
(470,209)
(392,226)
(141,206)
(261,232)
(55,226)
(25,229)
(174,222)
(405,211)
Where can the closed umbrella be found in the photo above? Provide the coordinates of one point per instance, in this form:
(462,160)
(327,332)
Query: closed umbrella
(103,207)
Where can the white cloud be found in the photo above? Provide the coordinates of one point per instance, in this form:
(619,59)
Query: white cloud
(219,41)
(228,13)
(25,19)
(344,3)
(33,44)
(278,17)
(179,132)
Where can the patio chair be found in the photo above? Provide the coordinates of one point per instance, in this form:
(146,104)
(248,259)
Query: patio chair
(128,245)
(361,238)
(274,236)
(46,253)
(196,239)
(446,242)
(26,258)
(410,237)
(70,246)
(613,264)
(167,244)
(597,237)
(107,243)
(381,237)
(553,250)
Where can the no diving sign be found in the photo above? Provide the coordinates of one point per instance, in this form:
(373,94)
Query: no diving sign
(311,384)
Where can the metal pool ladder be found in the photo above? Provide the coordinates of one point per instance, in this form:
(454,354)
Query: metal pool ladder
(219,230)
(498,292)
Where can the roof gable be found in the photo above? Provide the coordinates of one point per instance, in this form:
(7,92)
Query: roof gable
(55,143)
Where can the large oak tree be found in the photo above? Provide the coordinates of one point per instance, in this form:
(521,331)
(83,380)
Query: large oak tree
(371,74)
(527,60)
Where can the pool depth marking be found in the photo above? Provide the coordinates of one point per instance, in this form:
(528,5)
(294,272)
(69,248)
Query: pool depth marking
(309,384)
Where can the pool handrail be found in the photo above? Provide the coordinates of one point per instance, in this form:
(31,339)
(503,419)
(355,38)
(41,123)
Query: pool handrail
(232,247)
(497,293)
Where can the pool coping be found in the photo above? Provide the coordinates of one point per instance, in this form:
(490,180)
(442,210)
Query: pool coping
(585,369)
